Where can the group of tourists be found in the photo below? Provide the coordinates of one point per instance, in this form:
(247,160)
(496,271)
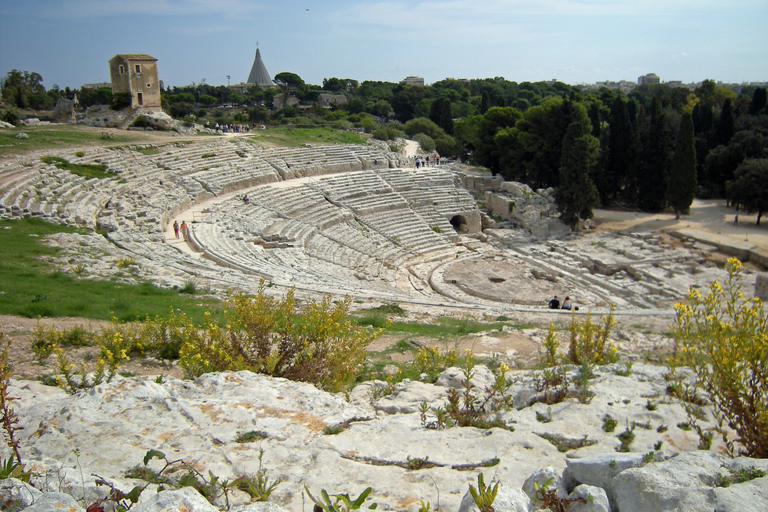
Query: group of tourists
(183,229)
(427,161)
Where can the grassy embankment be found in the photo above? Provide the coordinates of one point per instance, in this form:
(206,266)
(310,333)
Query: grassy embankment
(62,137)
(292,137)
(31,287)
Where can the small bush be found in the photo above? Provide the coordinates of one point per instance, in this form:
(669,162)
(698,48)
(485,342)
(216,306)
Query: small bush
(723,337)
(590,341)
(312,343)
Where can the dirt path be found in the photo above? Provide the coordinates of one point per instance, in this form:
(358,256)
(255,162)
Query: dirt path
(709,215)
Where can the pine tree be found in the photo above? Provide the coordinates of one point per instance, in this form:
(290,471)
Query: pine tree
(576,195)
(653,175)
(682,176)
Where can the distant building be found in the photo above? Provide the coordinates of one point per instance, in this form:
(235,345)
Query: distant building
(325,100)
(96,86)
(279,101)
(136,74)
(259,74)
(414,80)
(650,78)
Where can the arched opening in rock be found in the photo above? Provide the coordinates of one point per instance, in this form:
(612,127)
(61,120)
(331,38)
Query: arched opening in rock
(459,223)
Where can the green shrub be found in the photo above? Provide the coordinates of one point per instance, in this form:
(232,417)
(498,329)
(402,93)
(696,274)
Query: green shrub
(312,343)
(120,100)
(426,142)
(723,337)
(589,341)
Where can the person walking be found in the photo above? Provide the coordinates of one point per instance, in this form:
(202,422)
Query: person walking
(184,232)
(176,229)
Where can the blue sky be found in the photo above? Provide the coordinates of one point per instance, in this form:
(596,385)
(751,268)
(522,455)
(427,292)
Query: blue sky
(575,41)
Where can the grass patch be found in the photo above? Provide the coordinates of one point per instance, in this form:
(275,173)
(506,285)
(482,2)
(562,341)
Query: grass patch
(147,151)
(444,327)
(292,137)
(60,137)
(32,288)
(86,170)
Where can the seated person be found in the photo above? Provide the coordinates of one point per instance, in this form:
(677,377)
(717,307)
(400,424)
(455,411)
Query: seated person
(567,303)
(554,303)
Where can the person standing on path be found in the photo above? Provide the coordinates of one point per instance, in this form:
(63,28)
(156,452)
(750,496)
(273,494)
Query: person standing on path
(176,229)
(184,232)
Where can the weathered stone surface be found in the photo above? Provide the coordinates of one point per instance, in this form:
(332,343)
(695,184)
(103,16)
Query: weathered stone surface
(54,501)
(595,497)
(182,500)
(21,135)
(751,496)
(598,470)
(546,478)
(17,495)
(453,377)
(683,483)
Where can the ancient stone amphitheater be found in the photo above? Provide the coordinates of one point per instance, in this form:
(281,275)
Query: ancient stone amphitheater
(353,220)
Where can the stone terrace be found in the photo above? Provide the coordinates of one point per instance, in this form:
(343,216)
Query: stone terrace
(341,219)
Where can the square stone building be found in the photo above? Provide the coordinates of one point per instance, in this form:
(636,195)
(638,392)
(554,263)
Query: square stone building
(136,74)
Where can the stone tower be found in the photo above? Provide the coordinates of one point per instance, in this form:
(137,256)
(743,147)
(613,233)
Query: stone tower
(259,74)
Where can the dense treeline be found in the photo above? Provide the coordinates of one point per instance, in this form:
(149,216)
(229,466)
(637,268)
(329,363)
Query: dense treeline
(653,148)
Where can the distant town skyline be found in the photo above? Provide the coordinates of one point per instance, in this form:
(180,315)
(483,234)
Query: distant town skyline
(573,41)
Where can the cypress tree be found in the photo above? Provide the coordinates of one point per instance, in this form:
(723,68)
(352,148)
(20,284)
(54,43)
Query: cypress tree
(576,195)
(653,174)
(441,114)
(758,102)
(725,125)
(682,176)
(619,162)
(485,102)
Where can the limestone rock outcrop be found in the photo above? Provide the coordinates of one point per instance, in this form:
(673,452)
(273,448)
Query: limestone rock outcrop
(376,439)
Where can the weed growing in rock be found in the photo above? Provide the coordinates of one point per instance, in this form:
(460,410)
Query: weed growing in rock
(10,467)
(552,384)
(590,341)
(483,496)
(626,438)
(250,437)
(429,360)
(584,393)
(341,502)
(544,418)
(625,371)
(723,337)
(468,410)
(550,500)
(551,345)
(609,423)
(259,488)
(657,445)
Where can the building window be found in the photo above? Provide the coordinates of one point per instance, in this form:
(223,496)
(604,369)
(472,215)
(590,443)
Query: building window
(121,69)
(140,98)
(138,68)
(149,86)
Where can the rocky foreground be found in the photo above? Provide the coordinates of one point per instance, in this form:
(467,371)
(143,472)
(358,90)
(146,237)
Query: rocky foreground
(387,445)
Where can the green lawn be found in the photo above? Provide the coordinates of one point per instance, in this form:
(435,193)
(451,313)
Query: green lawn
(288,136)
(30,287)
(61,137)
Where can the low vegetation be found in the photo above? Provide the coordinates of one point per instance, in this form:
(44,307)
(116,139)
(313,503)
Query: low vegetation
(293,137)
(35,288)
(723,338)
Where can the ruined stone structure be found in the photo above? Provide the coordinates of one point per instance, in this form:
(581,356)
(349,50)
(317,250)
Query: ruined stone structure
(136,74)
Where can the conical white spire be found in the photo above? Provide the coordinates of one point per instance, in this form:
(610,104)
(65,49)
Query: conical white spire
(259,74)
